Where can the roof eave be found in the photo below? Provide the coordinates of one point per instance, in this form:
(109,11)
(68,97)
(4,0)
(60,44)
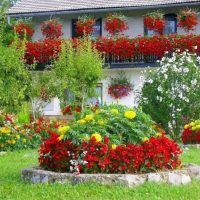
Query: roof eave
(96,10)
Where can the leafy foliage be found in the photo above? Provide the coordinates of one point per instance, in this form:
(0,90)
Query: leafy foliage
(14,79)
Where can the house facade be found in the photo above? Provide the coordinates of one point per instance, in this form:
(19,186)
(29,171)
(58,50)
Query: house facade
(68,12)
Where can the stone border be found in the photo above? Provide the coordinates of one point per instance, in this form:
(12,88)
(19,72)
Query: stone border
(177,177)
(185,146)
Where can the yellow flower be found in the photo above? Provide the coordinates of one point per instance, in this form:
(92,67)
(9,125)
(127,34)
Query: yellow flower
(24,140)
(114,111)
(145,139)
(192,124)
(114,146)
(194,128)
(61,137)
(5,130)
(63,129)
(87,138)
(130,114)
(158,134)
(97,111)
(97,137)
(101,122)
(82,122)
(89,118)
(18,137)
(9,141)
(186,126)
(1,145)
(13,141)
(198,127)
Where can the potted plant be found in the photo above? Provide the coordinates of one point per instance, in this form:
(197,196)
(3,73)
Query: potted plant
(119,87)
(187,19)
(155,21)
(85,25)
(116,24)
(51,29)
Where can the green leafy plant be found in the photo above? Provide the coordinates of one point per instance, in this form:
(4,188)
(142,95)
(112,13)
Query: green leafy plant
(120,123)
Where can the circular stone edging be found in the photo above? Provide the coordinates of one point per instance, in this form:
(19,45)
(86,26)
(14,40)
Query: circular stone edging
(177,177)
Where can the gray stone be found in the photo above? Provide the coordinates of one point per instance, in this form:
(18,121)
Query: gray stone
(154,177)
(38,175)
(178,178)
(132,180)
(194,171)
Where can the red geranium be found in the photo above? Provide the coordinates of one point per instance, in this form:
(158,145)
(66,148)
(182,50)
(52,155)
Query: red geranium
(188,19)
(115,24)
(23,29)
(70,109)
(51,29)
(155,21)
(85,26)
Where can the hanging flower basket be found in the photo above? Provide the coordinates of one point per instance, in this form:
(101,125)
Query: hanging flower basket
(85,26)
(155,21)
(23,28)
(51,29)
(116,24)
(188,19)
(119,87)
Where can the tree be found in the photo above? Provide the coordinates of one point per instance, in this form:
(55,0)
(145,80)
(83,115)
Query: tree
(171,93)
(14,78)
(78,69)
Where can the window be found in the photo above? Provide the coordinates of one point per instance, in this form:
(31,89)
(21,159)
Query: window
(171,24)
(97,26)
(170,27)
(99,96)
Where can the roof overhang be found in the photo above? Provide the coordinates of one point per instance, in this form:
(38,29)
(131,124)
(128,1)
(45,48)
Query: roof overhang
(96,10)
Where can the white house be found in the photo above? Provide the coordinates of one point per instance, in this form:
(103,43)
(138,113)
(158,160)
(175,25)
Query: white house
(68,11)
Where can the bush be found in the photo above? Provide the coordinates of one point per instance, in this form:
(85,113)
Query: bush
(93,156)
(120,123)
(171,92)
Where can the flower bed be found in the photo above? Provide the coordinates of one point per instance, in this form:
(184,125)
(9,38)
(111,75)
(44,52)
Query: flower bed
(191,133)
(15,136)
(111,140)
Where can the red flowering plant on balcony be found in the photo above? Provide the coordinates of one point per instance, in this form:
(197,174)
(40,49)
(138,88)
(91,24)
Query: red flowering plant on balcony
(155,21)
(85,26)
(52,29)
(119,87)
(23,29)
(191,133)
(188,19)
(44,51)
(116,24)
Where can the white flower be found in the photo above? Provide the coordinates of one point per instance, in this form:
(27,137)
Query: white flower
(194,82)
(195,47)
(160,89)
(185,70)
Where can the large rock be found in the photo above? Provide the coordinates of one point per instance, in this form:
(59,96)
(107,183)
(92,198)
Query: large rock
(178,178)
(194,171)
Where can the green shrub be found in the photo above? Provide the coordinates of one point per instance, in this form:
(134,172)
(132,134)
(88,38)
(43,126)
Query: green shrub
(121,124)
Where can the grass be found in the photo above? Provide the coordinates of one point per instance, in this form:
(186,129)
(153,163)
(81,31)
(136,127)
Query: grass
(13,188)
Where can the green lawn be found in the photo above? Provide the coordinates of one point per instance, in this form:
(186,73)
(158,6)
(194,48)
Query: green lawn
(13,188)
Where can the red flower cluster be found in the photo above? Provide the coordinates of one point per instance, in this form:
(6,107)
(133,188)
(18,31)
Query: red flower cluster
(156,24)
(115,25)
(42,51)
(51,29)
(159,153)
(188,19)
(118,91)
(190,137)
(85,26)
(70,109)
(55,155)
(22,28)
